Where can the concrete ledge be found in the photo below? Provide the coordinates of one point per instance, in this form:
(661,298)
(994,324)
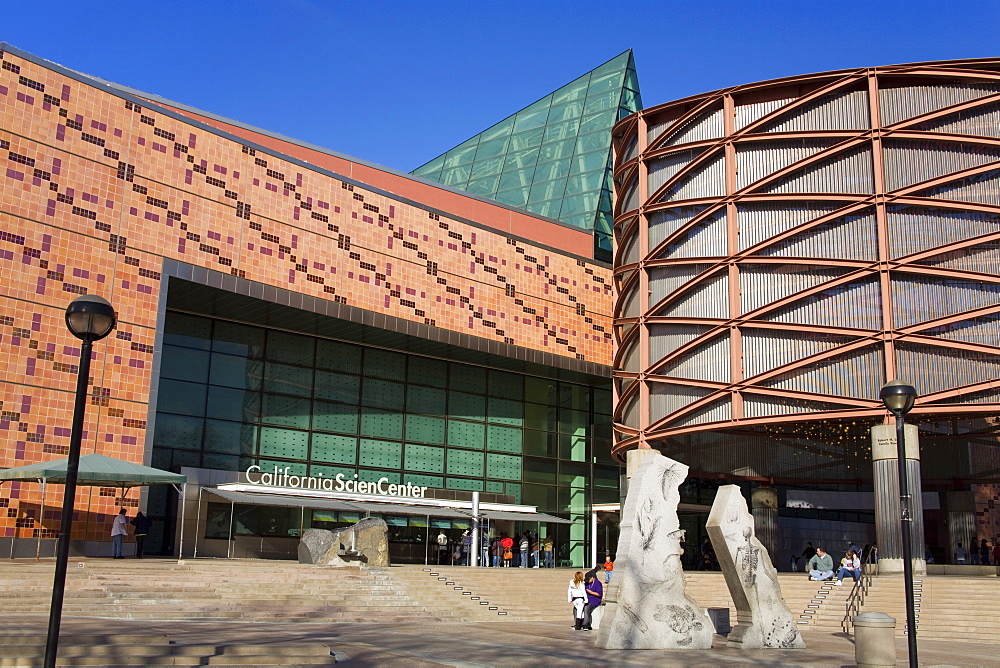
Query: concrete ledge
(952,569)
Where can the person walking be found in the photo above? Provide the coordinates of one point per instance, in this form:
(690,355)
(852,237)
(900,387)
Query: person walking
(442,543)
(507,545)
(820,567)
(119,529)
(466,544)
(849,565)
(535,550)
(577,595)
(547,550)
(996,551)
(496,551)
(141,524)
(595,594)
(609,567)
(984,553)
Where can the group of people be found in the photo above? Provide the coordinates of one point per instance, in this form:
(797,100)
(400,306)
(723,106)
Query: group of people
(522,550)
(119,529)
(820,566)
(586,594)
(978,555)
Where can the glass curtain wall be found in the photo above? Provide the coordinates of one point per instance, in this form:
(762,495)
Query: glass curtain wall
(232,395)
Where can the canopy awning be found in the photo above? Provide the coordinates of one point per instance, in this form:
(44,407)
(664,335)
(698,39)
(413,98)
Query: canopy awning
(403,509)
(95,471)
(523,517)
(284,500)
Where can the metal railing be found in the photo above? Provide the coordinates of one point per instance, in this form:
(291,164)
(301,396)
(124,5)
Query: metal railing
(856,599)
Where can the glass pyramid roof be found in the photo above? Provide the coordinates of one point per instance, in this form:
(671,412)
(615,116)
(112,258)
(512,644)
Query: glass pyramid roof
(552,158)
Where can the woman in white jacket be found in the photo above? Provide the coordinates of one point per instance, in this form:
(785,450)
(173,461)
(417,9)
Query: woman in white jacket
(849,565)
(577,595)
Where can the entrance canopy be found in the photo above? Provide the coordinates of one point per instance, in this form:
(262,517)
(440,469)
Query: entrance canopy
(95,471)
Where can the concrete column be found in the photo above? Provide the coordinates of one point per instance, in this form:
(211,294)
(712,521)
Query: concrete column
(961,508)
(764,504)
(887,514)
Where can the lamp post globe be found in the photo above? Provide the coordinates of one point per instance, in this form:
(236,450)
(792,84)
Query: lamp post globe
(89,318)
(898,396)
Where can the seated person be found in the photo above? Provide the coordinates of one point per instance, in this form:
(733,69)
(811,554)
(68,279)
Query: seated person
(849,565)
(820,567)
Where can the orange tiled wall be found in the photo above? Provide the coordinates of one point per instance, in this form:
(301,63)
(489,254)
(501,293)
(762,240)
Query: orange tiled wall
(96,191)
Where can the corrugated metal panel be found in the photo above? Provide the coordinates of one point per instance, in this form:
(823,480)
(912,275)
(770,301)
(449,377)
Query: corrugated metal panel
(761,284)
(664,280)
(849,173)
(664,223)
(630,196)
(921,298)
(708,300)
(631,253)
(705,239)
(909,161)
(856,305)
(630,362)
(767,349)
(707,180)
(717,411)
(659,126)
(916,228)
(709,361)
(760,405)
(748,113)
(631,149)
(983,188)
(857,374)
(984,258)
(663,169)
(755,160)
(846,238)
(630,415)
(665,399)
(760,221)
(836,111)
(707,125)
(935,369)
(982,121)
(665,339)
(984,330)
(898,104)
(629,303)
(985,397)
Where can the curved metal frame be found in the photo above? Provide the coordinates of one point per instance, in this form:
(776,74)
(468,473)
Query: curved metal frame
(632,279)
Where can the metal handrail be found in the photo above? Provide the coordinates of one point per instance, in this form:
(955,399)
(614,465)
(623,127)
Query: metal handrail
(856,599)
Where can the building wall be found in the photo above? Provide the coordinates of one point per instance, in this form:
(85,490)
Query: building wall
(786,247)
(100,188)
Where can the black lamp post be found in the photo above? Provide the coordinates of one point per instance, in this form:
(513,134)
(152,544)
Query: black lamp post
(899,397)
(90,319)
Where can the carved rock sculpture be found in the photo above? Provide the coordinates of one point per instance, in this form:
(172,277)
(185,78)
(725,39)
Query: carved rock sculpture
(365,542)
(763,618)
(647,607)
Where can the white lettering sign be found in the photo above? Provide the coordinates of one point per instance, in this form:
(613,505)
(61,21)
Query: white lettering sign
(281,478)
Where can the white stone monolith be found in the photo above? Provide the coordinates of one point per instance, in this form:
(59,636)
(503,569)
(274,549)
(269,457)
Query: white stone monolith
(763,618)
(647,607)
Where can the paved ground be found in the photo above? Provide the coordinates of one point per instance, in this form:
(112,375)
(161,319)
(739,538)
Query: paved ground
(506,644)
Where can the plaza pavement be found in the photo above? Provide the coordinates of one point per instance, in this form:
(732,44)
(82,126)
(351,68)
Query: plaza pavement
(503,644)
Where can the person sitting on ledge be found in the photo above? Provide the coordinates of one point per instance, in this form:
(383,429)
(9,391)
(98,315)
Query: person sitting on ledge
(849,565)
(820,566)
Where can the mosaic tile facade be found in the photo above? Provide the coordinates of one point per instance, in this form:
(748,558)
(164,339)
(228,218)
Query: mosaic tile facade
(97,190)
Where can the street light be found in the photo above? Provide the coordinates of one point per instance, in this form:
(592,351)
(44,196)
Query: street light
(899,397)
(89,318)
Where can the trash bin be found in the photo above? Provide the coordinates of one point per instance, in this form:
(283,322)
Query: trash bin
(874,640)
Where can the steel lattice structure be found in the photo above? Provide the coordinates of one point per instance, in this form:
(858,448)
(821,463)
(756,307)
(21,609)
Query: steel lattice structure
(785,247)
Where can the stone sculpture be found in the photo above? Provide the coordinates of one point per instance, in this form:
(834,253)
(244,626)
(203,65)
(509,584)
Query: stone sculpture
(365,542)
(647,607)
(763,618)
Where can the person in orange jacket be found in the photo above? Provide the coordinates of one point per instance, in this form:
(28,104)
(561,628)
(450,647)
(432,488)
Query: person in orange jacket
(609,566)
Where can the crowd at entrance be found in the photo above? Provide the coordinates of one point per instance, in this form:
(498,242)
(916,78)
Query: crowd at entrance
(518,551)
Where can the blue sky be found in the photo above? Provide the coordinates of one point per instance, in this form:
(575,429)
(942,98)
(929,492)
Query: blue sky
(397,83)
